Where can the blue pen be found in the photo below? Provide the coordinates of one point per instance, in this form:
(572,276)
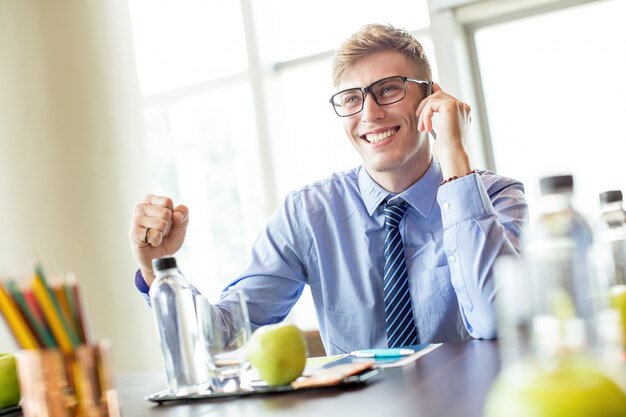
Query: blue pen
(381,353)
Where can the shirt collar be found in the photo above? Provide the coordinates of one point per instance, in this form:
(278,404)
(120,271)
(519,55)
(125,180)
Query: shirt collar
(421,195)
(371,193)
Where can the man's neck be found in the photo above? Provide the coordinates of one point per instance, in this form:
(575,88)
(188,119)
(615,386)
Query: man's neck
(397,182)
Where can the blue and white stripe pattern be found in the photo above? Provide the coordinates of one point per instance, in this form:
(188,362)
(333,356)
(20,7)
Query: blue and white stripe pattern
(401,330)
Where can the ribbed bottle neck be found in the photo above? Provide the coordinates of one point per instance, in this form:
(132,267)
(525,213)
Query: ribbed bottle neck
(167,272)
(556,202)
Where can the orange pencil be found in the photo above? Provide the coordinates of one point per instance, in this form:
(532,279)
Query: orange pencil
(59,292)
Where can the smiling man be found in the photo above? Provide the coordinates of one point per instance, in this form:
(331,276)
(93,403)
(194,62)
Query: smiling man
(398,251)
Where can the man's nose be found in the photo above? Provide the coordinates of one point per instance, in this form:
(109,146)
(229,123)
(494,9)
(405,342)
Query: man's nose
(371,109)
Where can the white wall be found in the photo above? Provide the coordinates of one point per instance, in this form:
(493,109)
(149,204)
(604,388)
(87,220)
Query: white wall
(72,160)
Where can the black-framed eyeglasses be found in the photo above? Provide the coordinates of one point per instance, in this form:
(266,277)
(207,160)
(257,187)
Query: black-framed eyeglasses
(384,92)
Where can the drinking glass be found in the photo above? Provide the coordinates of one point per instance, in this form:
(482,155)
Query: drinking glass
(225,329)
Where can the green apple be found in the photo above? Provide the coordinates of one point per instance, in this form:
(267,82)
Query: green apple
(524,390)
(9,386)
(618,302)
(278,352)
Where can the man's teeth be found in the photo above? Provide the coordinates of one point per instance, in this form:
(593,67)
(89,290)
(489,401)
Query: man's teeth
(379,136)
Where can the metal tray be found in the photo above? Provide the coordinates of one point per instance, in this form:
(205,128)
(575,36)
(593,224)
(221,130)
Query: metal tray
(10,411)
(166,396)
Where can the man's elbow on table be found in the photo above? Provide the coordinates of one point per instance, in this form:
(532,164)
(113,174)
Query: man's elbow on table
(486,328)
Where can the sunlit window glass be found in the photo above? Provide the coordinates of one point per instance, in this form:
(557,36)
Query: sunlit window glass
(204,155)
(186,42)
(553,86)
(311,143)
(296,28)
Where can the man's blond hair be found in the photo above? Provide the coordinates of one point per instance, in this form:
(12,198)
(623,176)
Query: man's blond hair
(377,38)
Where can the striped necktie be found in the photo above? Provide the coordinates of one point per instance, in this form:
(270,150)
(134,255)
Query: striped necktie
(401,330)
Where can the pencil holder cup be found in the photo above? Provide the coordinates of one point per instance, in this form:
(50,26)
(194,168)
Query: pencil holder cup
(75,384)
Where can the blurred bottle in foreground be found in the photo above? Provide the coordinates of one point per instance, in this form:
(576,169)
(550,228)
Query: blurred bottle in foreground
(610,255)
(557,251)
(548,325)
(172,300)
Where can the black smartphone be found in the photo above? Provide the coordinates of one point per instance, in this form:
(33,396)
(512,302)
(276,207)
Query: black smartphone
(429,91)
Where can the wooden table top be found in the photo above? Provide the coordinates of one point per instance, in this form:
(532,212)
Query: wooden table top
(450,381)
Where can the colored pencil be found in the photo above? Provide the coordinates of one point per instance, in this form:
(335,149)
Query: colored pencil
(37,327)
(18,326)
(58,290)
(75,304)
(39,315)
(61,331)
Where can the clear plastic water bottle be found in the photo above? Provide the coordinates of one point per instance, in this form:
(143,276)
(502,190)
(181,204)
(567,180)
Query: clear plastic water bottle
(610,243)
(172,299)
(558,254)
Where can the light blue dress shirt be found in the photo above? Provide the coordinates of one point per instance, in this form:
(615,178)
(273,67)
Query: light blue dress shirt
(330,235)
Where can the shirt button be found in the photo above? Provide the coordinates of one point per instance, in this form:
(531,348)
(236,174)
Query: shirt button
(452,259)
(446,206)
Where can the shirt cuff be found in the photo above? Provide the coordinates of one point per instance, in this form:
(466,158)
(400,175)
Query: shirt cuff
(462,199)
(140,283)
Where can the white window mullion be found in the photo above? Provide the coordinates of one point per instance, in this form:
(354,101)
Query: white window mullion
(257,84)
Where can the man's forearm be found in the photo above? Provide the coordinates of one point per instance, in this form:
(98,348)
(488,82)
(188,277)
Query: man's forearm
(476,232)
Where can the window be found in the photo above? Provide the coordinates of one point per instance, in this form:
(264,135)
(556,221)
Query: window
(553,85)
(183,43)
(296,29)
(204,154)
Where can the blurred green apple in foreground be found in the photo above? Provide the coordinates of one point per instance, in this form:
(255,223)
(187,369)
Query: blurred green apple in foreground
(525,390)
(9,386)
(278,352)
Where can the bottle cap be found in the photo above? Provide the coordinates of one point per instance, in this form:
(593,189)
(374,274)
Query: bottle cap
(612,196)
(556,184)
(166,262)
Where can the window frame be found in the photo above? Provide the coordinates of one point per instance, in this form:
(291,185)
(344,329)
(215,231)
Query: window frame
(453,25)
